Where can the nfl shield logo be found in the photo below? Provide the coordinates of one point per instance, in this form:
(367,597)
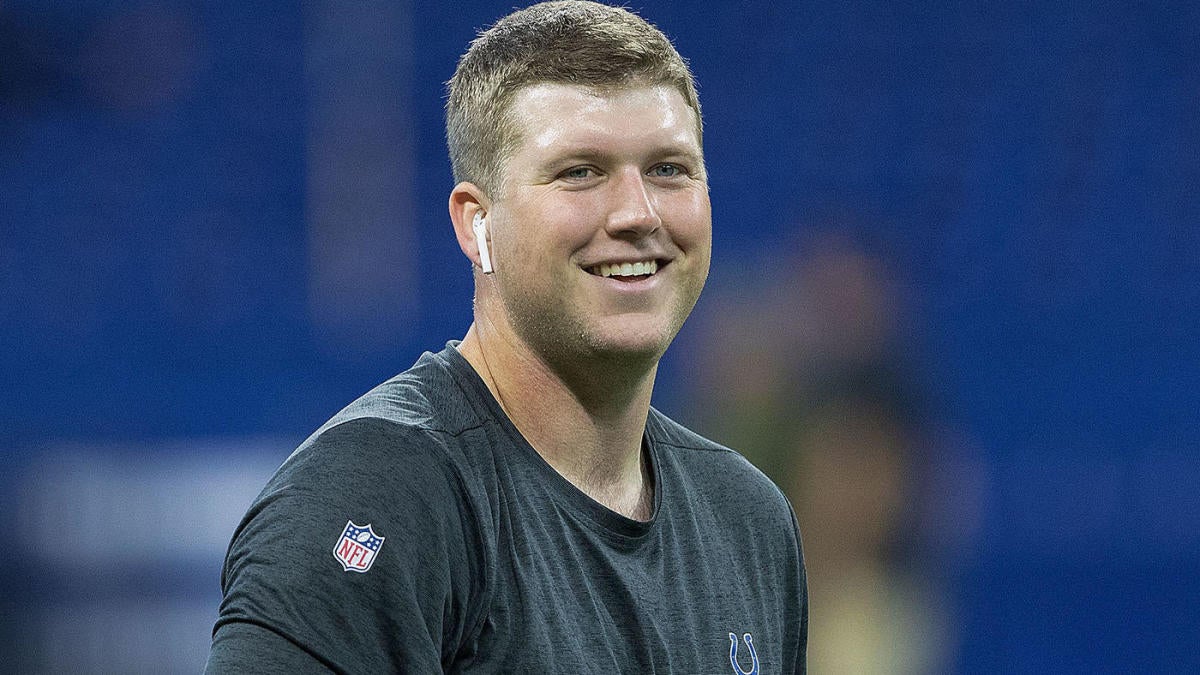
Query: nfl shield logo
(357,547)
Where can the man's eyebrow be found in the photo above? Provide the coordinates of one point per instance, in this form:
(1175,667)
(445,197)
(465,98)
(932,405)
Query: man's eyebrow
(564,155)
(589,153)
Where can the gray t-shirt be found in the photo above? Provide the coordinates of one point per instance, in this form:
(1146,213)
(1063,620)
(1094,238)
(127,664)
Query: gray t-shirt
(418,532)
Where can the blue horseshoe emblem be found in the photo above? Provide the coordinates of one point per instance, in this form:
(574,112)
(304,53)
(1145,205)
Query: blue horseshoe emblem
(733,650)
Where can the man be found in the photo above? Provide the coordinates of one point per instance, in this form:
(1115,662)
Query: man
(513,503)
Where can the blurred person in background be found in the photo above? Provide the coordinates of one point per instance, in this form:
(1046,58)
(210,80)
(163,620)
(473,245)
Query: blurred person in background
(805,376)
(513,503)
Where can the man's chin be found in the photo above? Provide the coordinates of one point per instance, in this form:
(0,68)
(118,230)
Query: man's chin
(640,348)
(611,345)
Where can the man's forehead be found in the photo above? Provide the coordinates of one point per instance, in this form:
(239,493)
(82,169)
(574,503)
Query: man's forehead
(549,115)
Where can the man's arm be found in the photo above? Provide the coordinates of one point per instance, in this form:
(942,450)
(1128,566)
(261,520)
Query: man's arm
(802,638)
(243,647)
(309,588)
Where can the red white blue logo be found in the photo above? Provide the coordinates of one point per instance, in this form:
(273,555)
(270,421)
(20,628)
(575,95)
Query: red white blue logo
(357,548)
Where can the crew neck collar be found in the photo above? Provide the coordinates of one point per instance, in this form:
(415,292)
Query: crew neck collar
(620,529)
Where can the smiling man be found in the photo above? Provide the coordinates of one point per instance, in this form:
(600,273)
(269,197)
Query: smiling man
(513,503)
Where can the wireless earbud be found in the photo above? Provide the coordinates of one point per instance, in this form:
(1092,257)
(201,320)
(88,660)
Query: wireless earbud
(480,228)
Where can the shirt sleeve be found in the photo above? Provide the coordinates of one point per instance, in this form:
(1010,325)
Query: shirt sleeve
(361,555)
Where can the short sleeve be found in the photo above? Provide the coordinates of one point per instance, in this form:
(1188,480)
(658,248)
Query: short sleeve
(362,555)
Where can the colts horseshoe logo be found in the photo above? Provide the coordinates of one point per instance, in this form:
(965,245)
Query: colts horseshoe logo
(733,650)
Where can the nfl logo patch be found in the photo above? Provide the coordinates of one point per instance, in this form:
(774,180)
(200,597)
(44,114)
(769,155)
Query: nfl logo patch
(357,547)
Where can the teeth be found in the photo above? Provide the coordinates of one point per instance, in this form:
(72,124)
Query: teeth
(636,269)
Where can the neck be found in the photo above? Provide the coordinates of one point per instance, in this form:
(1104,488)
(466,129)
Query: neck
(585,420)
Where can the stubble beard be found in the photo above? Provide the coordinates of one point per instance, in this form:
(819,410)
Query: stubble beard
(568,345)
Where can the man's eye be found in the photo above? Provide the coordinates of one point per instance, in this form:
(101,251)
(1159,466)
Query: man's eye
(666,171)
(578,173)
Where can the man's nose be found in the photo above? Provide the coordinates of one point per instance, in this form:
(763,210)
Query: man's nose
(632,212)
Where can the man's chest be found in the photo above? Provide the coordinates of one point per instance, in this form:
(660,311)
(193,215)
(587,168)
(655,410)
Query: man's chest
(568,599)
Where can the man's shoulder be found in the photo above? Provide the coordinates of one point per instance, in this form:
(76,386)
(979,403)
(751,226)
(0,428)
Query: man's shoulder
(727,509)
(694,449)
(666,431)
(419,418)
(427,397)
(715,473)
(383,490)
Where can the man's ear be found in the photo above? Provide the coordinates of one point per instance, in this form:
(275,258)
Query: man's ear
(466,200)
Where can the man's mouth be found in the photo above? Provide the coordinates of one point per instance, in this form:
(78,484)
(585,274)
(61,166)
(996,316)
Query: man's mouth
(625,271)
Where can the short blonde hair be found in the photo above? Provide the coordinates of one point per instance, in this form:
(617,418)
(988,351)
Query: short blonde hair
(576,42)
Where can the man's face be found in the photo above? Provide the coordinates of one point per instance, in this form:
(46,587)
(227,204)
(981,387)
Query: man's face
(602,229)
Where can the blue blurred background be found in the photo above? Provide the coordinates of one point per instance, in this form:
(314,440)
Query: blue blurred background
(953,305)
